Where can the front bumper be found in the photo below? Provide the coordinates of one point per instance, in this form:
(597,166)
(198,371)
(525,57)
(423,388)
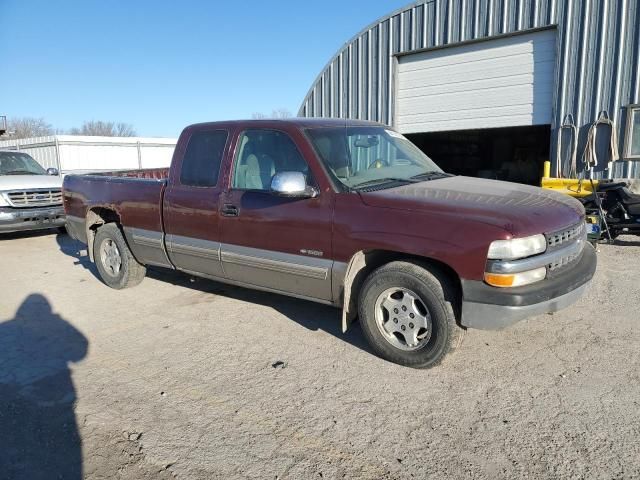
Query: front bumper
(490,308)
(21,219)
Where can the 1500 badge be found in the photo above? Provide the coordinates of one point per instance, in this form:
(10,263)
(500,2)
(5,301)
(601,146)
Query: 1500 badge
(313,253)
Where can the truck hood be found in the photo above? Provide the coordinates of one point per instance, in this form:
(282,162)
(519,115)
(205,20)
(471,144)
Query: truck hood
(521,210)
(29,182)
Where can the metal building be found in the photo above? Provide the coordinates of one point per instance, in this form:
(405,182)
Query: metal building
(495,87)
(81,154)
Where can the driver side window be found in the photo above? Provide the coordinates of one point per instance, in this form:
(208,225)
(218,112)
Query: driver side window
(262,154)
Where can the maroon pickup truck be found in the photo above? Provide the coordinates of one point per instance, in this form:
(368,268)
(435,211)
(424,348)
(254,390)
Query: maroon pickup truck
(351,215)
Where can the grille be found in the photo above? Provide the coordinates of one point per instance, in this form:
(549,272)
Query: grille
(564,261)
(35,198)
(576,233)
(562,237)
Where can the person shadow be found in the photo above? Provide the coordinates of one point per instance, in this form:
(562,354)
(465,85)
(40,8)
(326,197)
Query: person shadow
(78,251)
(39,437)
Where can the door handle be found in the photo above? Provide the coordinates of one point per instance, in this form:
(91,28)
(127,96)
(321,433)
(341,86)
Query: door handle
(229,210)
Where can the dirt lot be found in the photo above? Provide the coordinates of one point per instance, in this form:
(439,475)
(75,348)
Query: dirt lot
(176,378)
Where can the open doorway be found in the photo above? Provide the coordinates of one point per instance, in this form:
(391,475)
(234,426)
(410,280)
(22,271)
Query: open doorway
(515,154)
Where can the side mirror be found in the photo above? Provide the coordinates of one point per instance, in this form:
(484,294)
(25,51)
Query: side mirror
(292,184)
(53,171)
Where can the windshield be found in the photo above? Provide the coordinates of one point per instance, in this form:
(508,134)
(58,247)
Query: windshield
(362,156)
(18,163)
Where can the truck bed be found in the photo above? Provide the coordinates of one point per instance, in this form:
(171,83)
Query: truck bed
(135,195)
(151,174)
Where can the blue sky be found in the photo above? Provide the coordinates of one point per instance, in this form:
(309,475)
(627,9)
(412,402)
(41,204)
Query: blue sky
(160,65)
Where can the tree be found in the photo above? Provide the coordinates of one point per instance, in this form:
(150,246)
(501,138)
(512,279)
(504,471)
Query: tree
(26,127)
(104,129)
(125,130)
(276,113)
(280,113)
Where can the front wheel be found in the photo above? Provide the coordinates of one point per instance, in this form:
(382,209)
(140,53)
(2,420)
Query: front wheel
(116,264)
(406,312)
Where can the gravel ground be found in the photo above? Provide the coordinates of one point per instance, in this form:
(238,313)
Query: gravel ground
(191,379)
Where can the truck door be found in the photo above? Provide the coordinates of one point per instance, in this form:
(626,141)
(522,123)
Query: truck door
(282,244)
(191,218)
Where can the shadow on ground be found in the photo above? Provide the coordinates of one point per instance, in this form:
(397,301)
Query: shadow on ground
(628,241)
(29,234)
(313,316)
(39,436)
(78,251)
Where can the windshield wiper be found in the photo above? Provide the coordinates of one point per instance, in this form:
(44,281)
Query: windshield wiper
(431,175)
(19,172)
(383,180)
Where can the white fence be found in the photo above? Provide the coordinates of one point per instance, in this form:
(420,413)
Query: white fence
(76,154)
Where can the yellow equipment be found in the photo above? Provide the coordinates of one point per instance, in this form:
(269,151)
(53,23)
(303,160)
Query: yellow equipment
(570,186)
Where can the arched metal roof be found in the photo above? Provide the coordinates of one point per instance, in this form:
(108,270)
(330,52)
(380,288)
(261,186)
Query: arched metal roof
(597,67)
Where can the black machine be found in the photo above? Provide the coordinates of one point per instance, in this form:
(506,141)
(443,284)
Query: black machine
(617,209)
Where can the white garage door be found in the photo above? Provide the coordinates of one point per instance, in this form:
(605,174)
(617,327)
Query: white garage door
(496,83)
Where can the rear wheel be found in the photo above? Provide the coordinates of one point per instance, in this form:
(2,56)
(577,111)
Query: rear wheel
(116,264)
(407,315)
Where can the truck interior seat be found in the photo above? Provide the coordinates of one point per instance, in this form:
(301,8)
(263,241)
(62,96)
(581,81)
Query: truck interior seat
(260,169)
(254,170)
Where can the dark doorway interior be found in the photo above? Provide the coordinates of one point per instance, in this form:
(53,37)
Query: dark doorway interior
(515,154)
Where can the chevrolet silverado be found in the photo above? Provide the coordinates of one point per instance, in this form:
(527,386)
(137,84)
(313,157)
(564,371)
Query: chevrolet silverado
(350,214)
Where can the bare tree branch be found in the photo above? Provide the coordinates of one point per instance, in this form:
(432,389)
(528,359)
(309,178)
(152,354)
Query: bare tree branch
(124,130)
(281,113)
(104,129)
(25,127)
(275,113)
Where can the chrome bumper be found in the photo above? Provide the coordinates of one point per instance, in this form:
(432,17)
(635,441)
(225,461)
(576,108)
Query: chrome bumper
(21,219)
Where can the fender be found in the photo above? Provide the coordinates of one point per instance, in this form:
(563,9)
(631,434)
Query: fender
(361,264)
(94,218)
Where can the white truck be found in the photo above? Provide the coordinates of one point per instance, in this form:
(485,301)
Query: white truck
(30,196)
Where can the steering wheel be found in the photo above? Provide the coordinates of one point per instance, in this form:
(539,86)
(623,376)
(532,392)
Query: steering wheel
(379,163)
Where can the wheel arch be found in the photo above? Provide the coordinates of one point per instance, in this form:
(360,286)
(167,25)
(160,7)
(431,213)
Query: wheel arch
(364,262)
(96,217)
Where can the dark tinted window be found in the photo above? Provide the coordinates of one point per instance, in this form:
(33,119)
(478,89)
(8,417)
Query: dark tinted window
(18,163)
(201,163)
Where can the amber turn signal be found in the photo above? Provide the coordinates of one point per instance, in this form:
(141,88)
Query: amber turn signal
(496,280)
(515,279)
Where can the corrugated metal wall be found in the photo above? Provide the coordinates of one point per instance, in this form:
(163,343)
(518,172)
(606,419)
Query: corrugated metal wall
(70,153)
(597,66)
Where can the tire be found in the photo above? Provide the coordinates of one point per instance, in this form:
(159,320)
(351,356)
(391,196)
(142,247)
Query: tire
(428,323)
(117,267)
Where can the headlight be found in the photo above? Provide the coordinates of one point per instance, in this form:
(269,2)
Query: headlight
(3,201)
(517,248)
(515,279)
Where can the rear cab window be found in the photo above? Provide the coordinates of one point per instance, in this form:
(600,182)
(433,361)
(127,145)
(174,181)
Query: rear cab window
(203,158)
